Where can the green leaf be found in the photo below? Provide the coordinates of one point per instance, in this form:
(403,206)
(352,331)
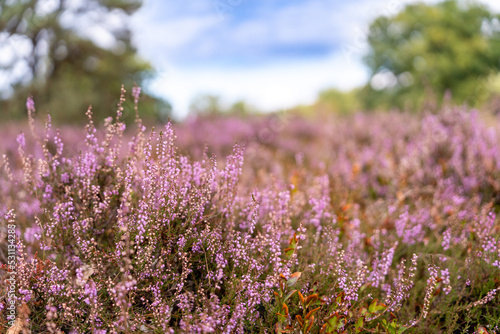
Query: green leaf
(340,298)
(281,317)
(293,245)
(402,329)
(334,322)
(289,251)
(288,295)
(376,307)
(359,324)
(393,327)
(293,279)
(293,241)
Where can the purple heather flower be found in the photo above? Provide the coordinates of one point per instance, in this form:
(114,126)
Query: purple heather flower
(136,91)
(20,140)
(446,239)
(30,105)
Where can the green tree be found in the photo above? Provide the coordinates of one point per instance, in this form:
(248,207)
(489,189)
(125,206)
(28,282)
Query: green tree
(51,56)
(212,105)
(338,101)
(206,104)
(427,50)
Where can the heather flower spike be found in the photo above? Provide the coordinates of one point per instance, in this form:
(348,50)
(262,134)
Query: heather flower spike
(136,92)
(30,104)
(305,230)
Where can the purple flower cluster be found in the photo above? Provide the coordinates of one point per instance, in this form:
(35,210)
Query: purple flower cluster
(123,231)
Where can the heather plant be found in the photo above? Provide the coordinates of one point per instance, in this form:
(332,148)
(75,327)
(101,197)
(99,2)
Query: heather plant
(347,225)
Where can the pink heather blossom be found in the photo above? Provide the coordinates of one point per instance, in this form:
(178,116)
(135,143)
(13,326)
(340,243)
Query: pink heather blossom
(136,91)
(20,140)
(30,105)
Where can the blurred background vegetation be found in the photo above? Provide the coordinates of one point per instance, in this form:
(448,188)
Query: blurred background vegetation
(66,71)
(427,51)
(420,58)
(425,56)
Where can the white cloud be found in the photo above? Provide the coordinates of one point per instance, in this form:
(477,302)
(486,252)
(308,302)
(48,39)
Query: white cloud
(270,87)
(161,41)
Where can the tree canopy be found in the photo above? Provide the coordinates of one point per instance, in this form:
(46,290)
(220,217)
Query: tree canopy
(68,55)
(427,50)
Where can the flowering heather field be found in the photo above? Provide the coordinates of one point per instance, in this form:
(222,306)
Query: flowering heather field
(371,223)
